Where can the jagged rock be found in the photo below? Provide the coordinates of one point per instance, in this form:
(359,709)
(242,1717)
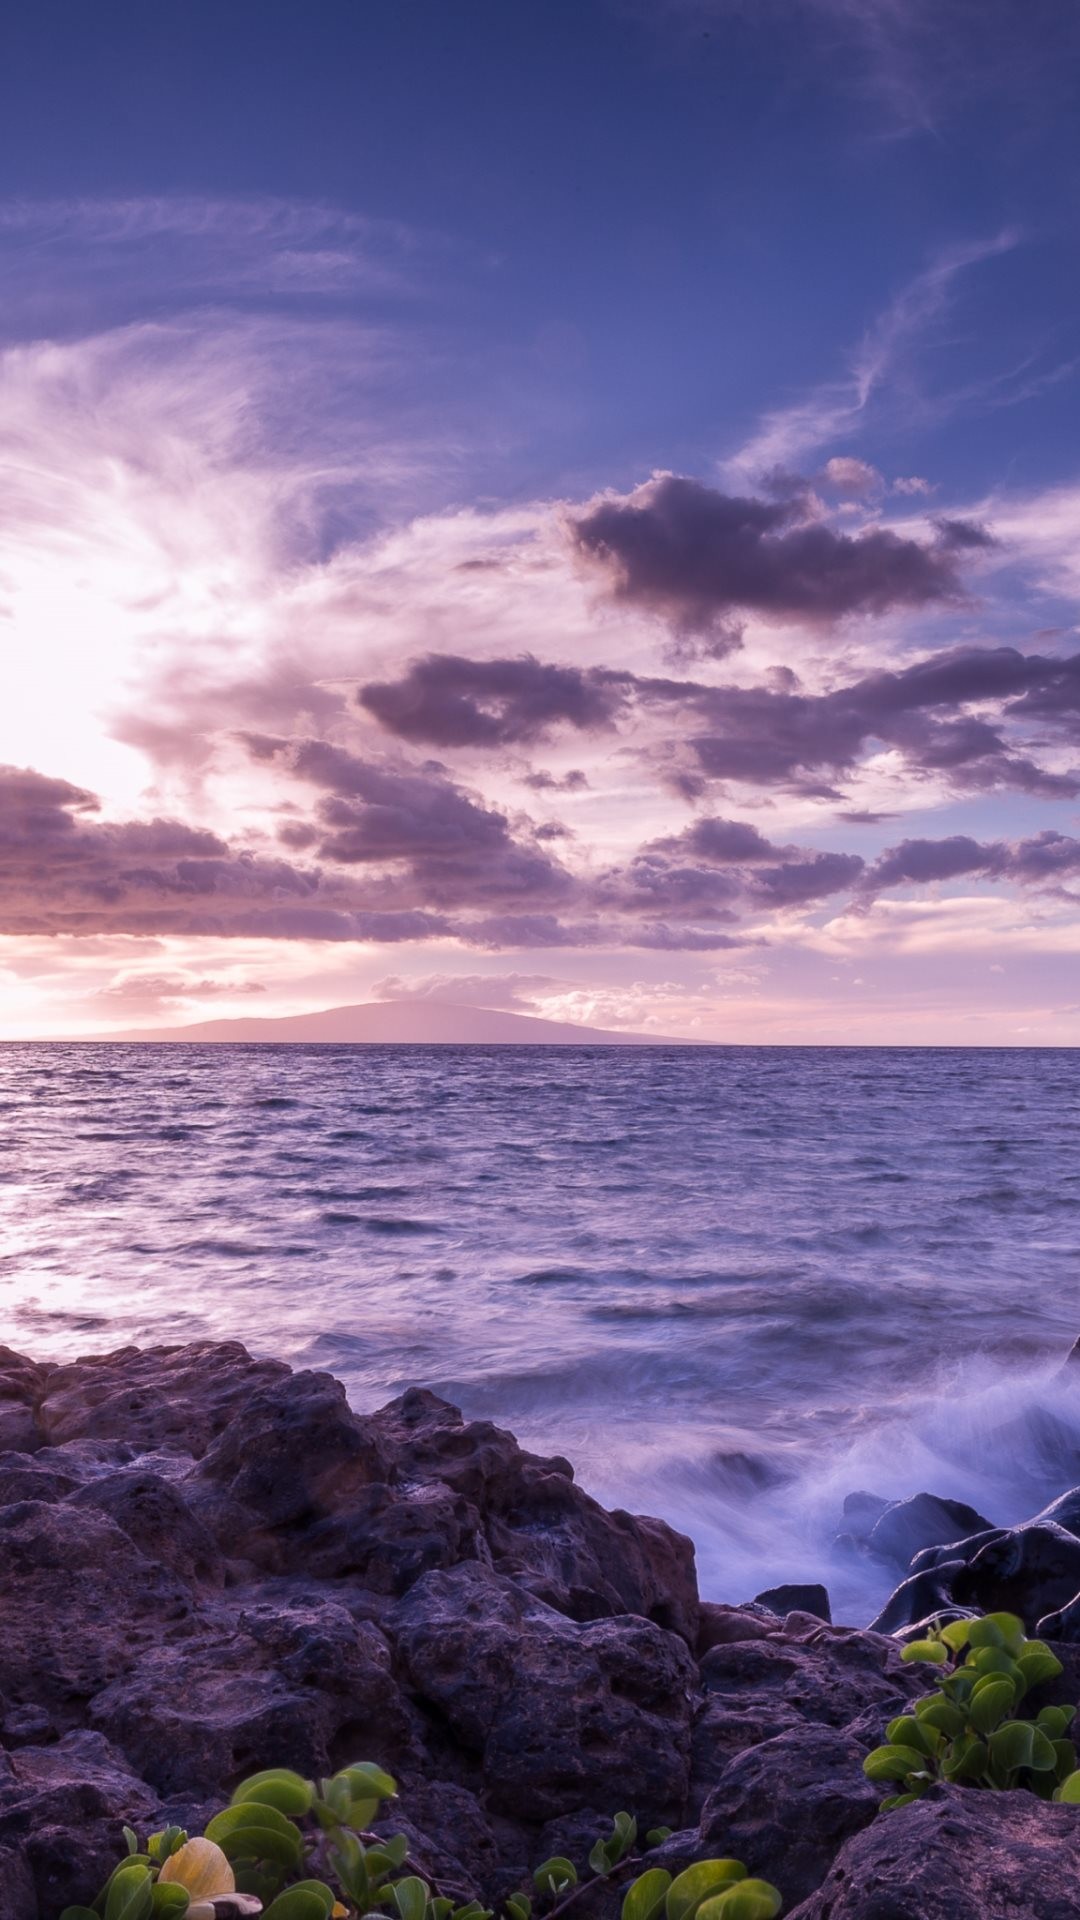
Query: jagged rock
(542,1529)
(721,1626)
(1030,1570)
(78,1600)
(303,1682)
(21,1383)
(61,1810)
(155,1516)
(786,1806)
(181,1397)
(926,1520)
(830,1678)
(957,1855)
(556,1714)
(810,1598)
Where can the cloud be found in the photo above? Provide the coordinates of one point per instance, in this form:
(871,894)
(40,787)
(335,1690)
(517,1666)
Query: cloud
(448,701)
(695,555)
(514,992)
(849,478)
(775,737)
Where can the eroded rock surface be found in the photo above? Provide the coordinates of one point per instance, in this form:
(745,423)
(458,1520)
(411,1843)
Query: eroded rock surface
(209,1564)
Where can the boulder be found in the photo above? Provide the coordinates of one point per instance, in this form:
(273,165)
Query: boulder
(554,1714)
(809,1598)
(180,1397)
(1030,1570)
(829,1678)
(786,1806)
(158,1520)
(21,1384)
(61,1811)
(957,1855)
(926,1520)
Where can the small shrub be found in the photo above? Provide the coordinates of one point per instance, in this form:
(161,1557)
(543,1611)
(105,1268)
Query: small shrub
(969,1731)
(287,1849)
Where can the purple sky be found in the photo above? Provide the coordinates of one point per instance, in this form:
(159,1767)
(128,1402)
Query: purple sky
(565,507)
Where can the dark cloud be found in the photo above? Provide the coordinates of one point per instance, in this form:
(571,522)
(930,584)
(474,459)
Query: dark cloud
(575,781)
(453,850)
(695,556)
(754,872)
(964,536)
(447,701)
(770,736)
(1044,860)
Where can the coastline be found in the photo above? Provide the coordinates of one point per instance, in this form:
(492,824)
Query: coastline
(210,1564)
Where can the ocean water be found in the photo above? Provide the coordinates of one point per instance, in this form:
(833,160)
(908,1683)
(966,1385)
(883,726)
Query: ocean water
(732,1284)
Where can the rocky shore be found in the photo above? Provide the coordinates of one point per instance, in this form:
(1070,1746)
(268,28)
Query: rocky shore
(209,1564)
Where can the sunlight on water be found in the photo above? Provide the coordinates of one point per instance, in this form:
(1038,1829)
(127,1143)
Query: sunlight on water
(733,1285)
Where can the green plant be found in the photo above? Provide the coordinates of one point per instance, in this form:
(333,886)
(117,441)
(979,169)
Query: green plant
(968,1731)
(289,1849)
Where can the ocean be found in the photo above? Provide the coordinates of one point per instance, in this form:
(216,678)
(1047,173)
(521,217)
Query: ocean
(732,1284)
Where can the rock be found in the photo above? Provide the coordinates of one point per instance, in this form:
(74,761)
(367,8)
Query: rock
(303,1683)
(957,1855)
(555,1714)
(1063,1512)
(78,1601)
(21,1383)
(159,1521)
(61,1810)
(722,1626)
(1063,1625)
(542,1529)
(831,1680)
(786,1806)
(1030,1570)
(181,1397)
(797,1599)
(926,1520)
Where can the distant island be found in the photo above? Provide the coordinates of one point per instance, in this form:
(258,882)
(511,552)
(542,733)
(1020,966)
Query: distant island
(403,1022)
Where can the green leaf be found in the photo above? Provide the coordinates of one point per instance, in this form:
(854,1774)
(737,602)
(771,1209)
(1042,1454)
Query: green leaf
(1007,1625)
(297,1903)
(892,1763)
(599,1859)
(130,1894)
(1069,1791)
(78,1913)
(698,1883)
(556,1875)
(657,1835)
(278,1787)
(985,1633)
(1037,1664)
(900,1800)
(410,1897)
(955,1634)
(937,1712)
(368,1782)
(169,1898)
(1013,1746)
(519,1907)
(931,1650)
(750,1900)
(907,1731)
(967,1759)
(251,1831)
(1064,1758)
(990,1704)
(645,1896)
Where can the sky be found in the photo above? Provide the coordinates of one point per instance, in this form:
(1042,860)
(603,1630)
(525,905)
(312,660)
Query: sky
(570,506)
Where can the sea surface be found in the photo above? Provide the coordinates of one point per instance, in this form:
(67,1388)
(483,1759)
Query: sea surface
(732,1284)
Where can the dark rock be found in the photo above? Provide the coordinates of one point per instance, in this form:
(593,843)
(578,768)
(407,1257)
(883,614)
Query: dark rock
(1063,1512)
(61,1810)
(721,1626)
(1031,1570)
(1064,1625)
(78,1600)
(555,1714)
(21,1385)
(923,1596)
(926,1520)
(154,1396)
(957,1855)
(306,1684)
(542,1529)
(159,1521)
(830,1679)
(862,1511)
(786,1806)
(797,1599)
